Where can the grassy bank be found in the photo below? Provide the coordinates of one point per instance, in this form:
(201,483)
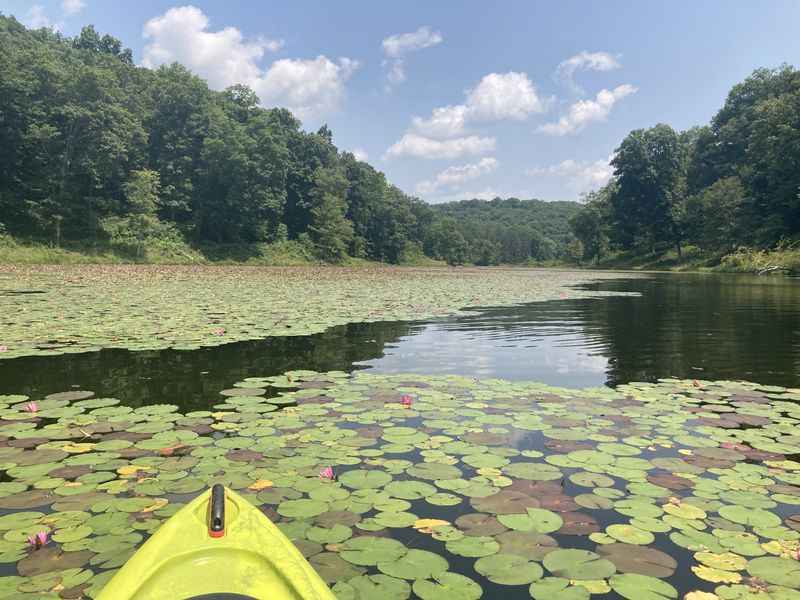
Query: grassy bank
(281,254)
(784,260)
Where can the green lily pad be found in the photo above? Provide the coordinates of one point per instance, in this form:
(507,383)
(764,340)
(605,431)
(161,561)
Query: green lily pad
(473,546)
(508,569)
(409,490)
(538,520)
(578,564)
(752,517)
(447,586)
(415,564)
(775,570)
(372,587)
(629,534)
(642,587)
(369,550)
(360,479)
(302,509)
(557,588)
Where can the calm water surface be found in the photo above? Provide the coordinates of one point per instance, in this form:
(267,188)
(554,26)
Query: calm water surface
(679,325)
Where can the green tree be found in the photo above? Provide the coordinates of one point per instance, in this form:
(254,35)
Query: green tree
(330,231)
(589,226)
(648,172)
(714,215)
(140,223)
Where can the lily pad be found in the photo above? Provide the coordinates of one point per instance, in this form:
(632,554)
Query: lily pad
(578,564)
(415,564)
(447,586)
(537,520)
(642,587)
(508,569)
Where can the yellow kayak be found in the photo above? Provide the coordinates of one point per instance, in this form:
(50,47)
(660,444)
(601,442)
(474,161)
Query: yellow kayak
(217,547)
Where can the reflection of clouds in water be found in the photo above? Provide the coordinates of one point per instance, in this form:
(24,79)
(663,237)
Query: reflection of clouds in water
(538,351)
(566,362)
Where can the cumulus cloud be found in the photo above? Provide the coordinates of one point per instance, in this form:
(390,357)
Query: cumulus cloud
(446,121)
(585,61)
(397,46)
(454,176)
(501,96)
(308,87)
(497,97)
(412,144)
(583,112)
(36,18)
(72,7)
(360,154)
(581,176)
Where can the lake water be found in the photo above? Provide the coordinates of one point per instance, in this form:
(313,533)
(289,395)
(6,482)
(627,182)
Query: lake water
(704,327)
(698,326)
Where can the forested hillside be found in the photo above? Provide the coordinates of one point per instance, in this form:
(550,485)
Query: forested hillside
(97,151)
(512,230)
(731,187)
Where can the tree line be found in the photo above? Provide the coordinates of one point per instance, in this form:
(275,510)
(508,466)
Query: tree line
(729,184)
(95,149)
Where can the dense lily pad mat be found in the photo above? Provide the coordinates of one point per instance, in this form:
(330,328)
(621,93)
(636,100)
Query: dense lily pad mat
(441,487)
(56,310)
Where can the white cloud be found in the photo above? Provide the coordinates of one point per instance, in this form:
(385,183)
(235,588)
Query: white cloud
(308,87)
(453,176)
(497,97)
(395,47)
(447,121)
(487,193)
(585,61)
(501,96)
(360,154)
(581,176)
(583,112)
(412,144)
(36,18)
(72,7)
(397,71)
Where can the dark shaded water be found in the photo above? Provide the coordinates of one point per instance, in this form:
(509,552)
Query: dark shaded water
(681,325)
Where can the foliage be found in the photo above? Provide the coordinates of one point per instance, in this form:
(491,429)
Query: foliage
(504,231)
(734,183)
(88,137)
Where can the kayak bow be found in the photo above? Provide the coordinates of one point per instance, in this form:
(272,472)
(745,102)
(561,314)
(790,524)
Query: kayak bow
(217,547)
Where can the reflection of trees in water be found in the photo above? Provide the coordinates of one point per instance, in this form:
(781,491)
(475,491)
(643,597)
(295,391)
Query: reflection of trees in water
(698,326)
(193,378)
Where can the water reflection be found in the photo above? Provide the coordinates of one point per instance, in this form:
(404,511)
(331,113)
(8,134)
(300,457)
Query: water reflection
(688,326)
(681,325)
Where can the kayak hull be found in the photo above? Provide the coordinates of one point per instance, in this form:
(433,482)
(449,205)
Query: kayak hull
(252,559)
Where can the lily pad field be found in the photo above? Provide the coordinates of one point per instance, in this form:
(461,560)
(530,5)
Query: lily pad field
(394,486)
(441,487)
(59,310)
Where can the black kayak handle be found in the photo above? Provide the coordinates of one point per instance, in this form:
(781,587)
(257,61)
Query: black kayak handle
(216,511)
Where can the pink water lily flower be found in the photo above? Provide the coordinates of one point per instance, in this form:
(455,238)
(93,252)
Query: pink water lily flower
(31,407)
(219,331)
(3,348)
(406,400)
(327,473)
(38,540)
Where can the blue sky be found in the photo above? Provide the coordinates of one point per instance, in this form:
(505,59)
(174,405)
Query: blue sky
(462,99)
